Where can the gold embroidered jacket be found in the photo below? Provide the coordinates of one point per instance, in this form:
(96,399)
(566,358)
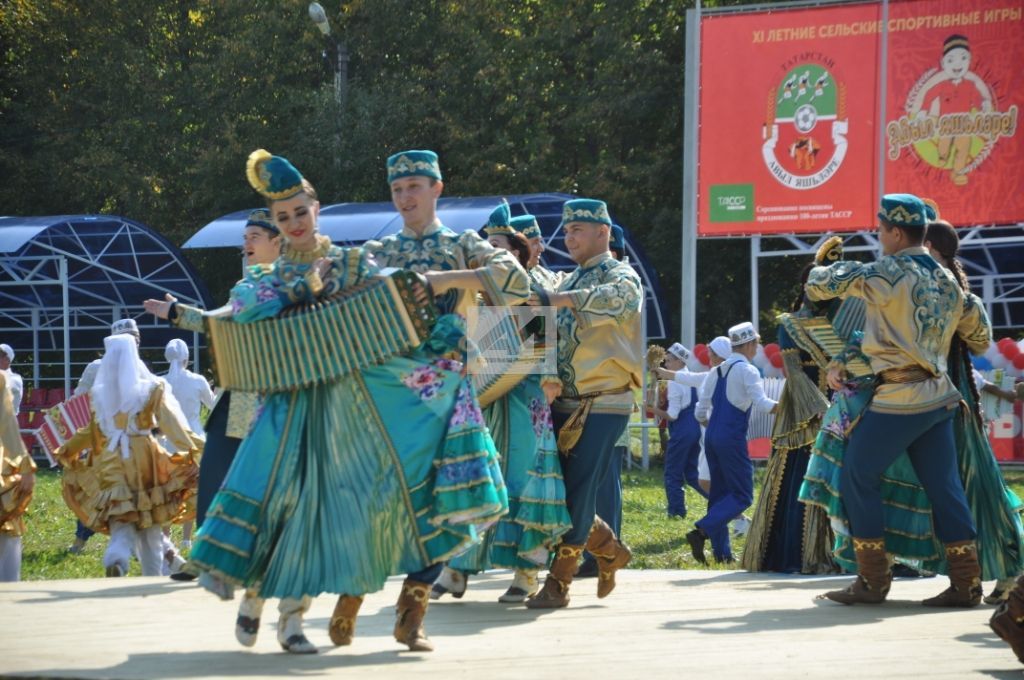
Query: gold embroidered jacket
(542,277)
(914,307)
(440,249)
(14,462)
(599,340)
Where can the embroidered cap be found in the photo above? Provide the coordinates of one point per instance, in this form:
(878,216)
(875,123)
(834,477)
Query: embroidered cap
(8,350)
(903,210)
(123,326)
(931,209)
(618,240)
(499,223)
(527,226)
(830,251)
(721,347)
(273,176)
(261,218)
(741,334)
(679,351)
(413,163)
(585,210)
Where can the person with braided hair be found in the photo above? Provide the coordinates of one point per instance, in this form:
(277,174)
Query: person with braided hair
(995,508)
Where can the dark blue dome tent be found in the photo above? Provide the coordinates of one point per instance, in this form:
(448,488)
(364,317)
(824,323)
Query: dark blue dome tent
(64,279)
(355,223)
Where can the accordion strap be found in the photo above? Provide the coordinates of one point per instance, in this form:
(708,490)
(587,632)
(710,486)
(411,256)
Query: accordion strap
(572,430)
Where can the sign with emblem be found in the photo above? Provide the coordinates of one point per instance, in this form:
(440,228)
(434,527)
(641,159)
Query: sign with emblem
(792,137)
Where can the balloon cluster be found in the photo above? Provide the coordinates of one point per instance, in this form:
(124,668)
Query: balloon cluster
(769,360)
(1006,354)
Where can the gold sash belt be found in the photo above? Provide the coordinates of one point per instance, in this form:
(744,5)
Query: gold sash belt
(572,430)
(905,374)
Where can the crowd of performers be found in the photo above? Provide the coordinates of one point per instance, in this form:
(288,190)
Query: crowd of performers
(395,469)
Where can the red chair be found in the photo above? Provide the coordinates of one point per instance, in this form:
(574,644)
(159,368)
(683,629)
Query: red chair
(24,418)
(54,396)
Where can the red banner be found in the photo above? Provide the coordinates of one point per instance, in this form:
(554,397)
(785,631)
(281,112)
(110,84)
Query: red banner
(790,99)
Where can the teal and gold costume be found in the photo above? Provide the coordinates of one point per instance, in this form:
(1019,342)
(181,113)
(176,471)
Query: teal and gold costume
(600,351)
(520,423)
(339,485)
(914,311)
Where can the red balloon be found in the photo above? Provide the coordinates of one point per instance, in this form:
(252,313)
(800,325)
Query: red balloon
(1010,350)
(1018,362)
(701,352)
(771,348)
(776,359)
(1003,342)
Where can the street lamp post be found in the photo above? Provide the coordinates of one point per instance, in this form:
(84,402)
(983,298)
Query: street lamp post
(339,50)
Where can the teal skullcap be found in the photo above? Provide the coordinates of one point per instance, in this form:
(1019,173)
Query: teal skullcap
(586,210)
(261,218)
(903,210)
(499,221)
(527,226)
(618,240)
(413,163)
(273,176)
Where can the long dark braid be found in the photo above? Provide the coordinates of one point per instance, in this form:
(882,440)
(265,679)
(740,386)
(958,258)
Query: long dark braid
(943,238)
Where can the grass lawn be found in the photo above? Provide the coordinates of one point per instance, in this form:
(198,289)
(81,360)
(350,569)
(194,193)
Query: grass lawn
(657,541)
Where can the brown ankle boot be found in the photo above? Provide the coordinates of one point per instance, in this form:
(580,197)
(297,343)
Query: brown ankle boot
(610,553)
(964,578)
(1008,620)
(411,608)
(555,592)
(343,621)
(873,575)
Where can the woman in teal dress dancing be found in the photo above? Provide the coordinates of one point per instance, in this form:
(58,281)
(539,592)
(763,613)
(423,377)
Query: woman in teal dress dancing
(388,470)
(909,534)
(521,425)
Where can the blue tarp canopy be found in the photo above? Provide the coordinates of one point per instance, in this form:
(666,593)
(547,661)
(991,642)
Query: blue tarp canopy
(64,279)
(356,223)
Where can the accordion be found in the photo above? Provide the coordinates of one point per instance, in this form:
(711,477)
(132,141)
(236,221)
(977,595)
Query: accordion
(823,337)
(62,421)
(323,341)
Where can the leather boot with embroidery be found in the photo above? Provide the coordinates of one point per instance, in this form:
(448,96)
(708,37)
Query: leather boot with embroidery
(964,578)
(873,575)
(555,592)
(410,611)
(343,621)
(611,555)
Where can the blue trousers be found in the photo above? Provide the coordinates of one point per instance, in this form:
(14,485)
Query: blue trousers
(585,467)
(82,532)
(732,489)
(681,458)
(876,441)
(427,574)
(218,454)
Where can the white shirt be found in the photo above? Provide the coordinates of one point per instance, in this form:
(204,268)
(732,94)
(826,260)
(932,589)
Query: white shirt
(88,377)
(979,379)
(679,399)
(15,387)
(690,378)
(744,388)
(192,391)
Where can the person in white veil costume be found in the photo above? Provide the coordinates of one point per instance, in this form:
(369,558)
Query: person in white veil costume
(128,485)
(190,389)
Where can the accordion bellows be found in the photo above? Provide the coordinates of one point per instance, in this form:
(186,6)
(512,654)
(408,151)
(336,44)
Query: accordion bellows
(322,342)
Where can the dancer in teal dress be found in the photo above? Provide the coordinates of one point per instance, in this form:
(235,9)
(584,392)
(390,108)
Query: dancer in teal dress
(387,470)
(521,425)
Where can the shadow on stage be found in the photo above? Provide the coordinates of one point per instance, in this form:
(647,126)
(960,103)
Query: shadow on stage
(118,588)
(238,664)
(743,580)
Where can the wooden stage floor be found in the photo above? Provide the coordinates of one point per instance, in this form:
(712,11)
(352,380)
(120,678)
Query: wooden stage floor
(658,624)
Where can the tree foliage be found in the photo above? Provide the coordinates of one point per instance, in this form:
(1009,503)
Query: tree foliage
(149,109)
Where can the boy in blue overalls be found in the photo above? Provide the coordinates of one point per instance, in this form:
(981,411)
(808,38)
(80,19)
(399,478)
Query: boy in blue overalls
(727,396)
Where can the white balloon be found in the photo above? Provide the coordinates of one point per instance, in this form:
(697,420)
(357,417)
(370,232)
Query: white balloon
(999,361)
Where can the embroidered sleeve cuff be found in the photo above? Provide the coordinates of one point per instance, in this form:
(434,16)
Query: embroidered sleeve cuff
(188,318)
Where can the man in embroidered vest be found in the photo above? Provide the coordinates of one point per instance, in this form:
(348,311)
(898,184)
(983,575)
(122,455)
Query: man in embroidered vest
(914,307)
(600,359)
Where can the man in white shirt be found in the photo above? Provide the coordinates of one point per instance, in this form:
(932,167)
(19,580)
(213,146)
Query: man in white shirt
(14,384)
(727,397)
(683,451)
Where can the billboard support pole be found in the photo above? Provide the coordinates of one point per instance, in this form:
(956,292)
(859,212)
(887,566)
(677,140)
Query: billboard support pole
(883,77)
(755,258)
(691,125)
